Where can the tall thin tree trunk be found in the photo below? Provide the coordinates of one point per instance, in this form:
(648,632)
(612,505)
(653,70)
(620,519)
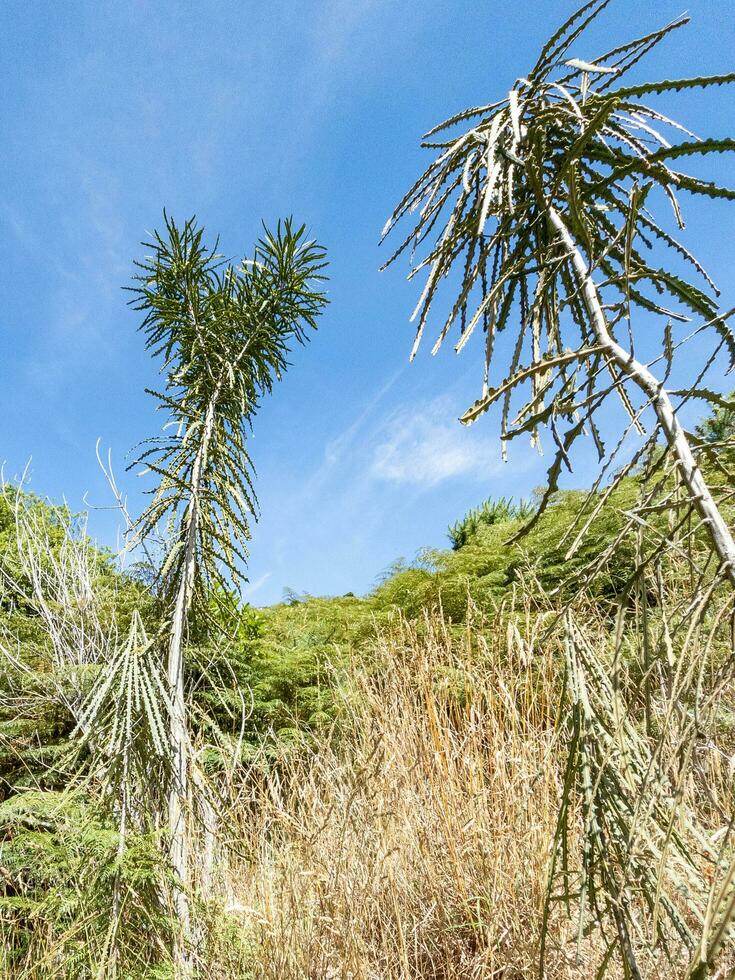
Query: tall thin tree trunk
(179,736)
(654,390)
(179,785)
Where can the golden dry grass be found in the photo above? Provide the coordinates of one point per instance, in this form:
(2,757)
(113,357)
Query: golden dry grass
(417,845)
(414,840)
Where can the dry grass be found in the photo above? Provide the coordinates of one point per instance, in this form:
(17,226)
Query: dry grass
(417,845)
(414,840)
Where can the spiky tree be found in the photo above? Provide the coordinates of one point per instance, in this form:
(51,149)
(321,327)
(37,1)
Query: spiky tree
(223,334)
(543,209)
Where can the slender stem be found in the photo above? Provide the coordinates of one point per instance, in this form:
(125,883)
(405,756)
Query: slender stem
(178,790)
(654,390)
(180,777)
(179,787)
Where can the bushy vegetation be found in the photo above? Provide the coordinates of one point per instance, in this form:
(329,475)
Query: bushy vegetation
(284,659)
(387,768)
(513,756)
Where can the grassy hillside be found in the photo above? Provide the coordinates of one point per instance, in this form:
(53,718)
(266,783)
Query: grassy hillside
(392,776)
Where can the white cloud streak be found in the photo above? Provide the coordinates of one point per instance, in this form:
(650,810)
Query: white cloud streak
(424,445)
(255,586)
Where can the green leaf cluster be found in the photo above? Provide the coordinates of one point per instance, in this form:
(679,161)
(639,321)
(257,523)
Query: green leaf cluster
(222,334)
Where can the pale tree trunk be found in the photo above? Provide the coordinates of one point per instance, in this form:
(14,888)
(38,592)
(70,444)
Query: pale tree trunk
(178,788)
(178,792)
(179,737)
(654,390)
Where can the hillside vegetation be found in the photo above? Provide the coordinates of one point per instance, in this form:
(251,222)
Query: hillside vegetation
(515,756)
(393,777)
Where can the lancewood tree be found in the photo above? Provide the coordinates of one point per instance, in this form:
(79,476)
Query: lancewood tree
(544,211)
(223,333)
(547,227)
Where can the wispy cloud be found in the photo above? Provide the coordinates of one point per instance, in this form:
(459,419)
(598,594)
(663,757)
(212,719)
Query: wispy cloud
(336,448)
(253,587)
(424,445)
(401,468)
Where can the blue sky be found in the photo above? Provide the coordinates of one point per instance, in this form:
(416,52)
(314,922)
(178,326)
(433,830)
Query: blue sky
(242,111)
